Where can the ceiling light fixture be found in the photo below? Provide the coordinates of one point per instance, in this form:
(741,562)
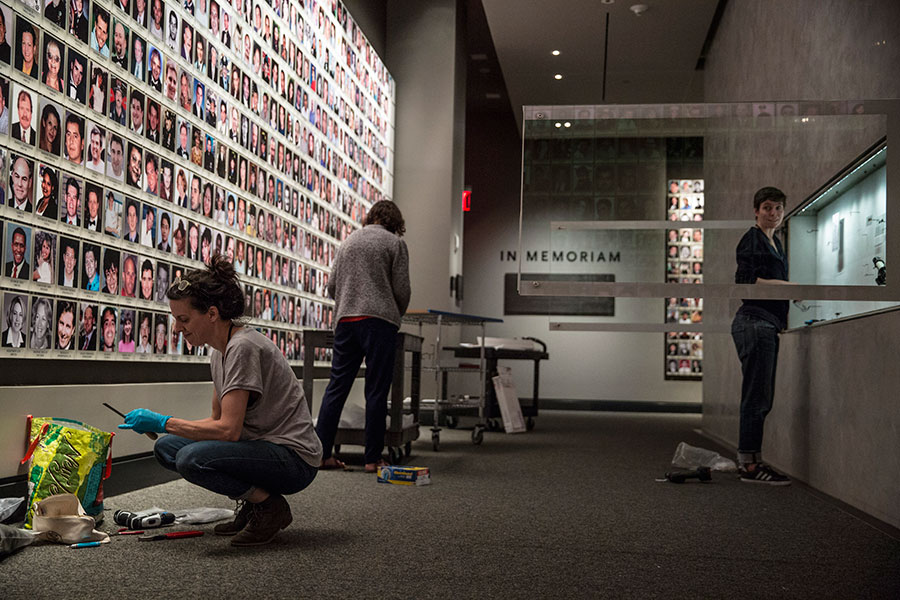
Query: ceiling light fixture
(555,53)
(638,9)
(557,76)
(567,124)
(558,124)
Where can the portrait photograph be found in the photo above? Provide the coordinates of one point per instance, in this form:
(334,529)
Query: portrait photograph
(6,33)
(128,278)
(139,12)
(144,336)
(172,30)
(21,182)
(78,19)
(100,30)
(55,12)
(76,76)
(134,172)
(110,272)
(162,281)
(65,325)
(15,320)
(87,327)
(27,48)
(54,60)
(148,226)
(97,95)
(42,325)
(115,158)
(156,23)
(44,258)
(96,148)
(154,67)
(24,115)
(92,219)
(112,213)
(146,278)
(132,221)
(118,100)
(109,323)
(50,123)
(73,138)
(90,267)
(70,205)
(126,331)
(46,202)
(160,333)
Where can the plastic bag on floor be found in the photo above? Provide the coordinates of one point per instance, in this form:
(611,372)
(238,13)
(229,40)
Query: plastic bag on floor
(9,506)
(690,457)
(13,538)
(203,515)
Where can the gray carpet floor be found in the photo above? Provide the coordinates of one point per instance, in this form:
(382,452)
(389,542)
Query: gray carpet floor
(569,510)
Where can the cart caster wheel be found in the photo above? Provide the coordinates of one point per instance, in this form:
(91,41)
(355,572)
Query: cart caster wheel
(395,455)
(452,422)
(436,441)
(478,434)
(529,424)
(407,449)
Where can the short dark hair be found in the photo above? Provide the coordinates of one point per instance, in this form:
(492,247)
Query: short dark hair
(386,214)
(768,193)
(216,285)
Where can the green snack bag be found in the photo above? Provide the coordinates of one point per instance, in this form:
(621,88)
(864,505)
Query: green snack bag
(67,456)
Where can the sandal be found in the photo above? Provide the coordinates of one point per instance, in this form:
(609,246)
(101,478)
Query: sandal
(373,467)
(332,464)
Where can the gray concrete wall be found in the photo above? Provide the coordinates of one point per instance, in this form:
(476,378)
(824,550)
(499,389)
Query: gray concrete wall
(836,419)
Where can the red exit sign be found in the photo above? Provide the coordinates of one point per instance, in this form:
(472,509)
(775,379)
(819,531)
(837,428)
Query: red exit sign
(467,200)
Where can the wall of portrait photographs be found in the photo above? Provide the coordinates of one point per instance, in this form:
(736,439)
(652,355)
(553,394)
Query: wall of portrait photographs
(138,138)
(684,264)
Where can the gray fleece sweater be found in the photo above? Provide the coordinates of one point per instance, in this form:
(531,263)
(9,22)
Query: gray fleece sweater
(370,276)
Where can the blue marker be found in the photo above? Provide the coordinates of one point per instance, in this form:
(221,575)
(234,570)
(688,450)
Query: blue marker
(85,545)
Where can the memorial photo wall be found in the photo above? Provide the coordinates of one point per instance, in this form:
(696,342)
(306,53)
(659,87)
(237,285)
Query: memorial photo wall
(684,264)
(139,138)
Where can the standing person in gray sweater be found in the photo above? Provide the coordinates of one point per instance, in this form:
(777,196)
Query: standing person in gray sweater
(370,286)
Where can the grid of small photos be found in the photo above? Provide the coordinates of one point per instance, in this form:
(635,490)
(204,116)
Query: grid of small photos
(684,264)
(138,138)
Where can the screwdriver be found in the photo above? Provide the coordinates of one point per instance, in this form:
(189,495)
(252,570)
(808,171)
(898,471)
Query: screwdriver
(174,535)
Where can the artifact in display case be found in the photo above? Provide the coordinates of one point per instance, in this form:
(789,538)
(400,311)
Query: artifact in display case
(837,236)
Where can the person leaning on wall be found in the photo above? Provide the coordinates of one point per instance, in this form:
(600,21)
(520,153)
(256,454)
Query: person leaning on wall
(258,442)
(755,329)
(370,286)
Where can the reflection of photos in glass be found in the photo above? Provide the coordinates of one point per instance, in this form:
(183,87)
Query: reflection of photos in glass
(78,18)
(24,115)
(68,262)
(44,258)
(15,320)
(96,147)
(46,202)
(41,329)
(146,278)
(87,327)
(65,325)
(109,323)
(111,271)
(76,76)
(54,55)
(91,266)
(162,281)
(27,48)
(115,159)
(73,139)
(70,207)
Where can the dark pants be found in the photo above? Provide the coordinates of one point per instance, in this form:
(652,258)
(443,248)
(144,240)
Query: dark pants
(375,340)
(235,469)
(756,341)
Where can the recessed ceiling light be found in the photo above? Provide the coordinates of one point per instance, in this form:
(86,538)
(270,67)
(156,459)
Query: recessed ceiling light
(558,124)
(567,124)
(555,53)
(557,76)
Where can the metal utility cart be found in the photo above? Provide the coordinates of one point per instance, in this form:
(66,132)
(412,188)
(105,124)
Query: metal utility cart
(491,356)
(397,438)
(441,318)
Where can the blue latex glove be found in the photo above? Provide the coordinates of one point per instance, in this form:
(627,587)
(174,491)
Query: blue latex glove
(141,420)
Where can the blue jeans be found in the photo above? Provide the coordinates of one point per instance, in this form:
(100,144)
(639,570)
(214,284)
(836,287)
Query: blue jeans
(756,341)
(375,340)
(235,469)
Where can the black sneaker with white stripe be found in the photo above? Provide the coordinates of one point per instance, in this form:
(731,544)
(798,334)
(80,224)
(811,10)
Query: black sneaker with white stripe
(763,473)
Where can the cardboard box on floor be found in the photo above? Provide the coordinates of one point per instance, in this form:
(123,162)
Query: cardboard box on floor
(404,475)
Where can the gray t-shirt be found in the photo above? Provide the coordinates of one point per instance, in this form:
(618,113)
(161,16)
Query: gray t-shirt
(276,411)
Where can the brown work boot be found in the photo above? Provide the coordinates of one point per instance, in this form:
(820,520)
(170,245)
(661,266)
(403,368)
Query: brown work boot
(266,519)
(241,517)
